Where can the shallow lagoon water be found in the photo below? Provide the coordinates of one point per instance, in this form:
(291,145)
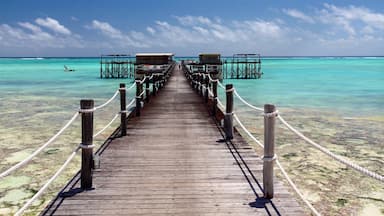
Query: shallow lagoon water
(338,102)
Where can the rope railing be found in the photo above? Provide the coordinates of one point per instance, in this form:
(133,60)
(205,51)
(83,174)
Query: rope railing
(346,162)
(85,111)
(131,87)
(246,103)
(113,119)
(289,180)
(332,155)
(107,102)
(69,159)
(109,124)
(42,189)
(29,158)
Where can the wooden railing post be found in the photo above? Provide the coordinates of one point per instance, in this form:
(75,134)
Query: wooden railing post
(214,89)
(201,80)
(154,85)
(123,110)
(138,97)
(269,149)
(147,90)
(86,145)
(206,95)
(228,118)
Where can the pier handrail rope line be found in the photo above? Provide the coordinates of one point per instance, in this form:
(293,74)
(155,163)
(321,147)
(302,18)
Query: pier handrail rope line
(131,87)
(246,103)
(26,160)
(66,163)
(319,147)
(53,138)
(332,155)
(107,102)
(42,189)
(314,211)
(109,124)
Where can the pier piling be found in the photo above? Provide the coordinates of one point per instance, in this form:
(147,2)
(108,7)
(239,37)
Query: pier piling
(123,111)
(86,107)
(269,149)
(228,118)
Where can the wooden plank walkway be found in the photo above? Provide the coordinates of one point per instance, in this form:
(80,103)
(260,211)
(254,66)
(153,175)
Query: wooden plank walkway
(172,163)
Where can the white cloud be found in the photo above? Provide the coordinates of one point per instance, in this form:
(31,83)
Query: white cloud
(349,18)
(151,30)
(134,39)
(299,15)
(106,29)
(53,25)
(29,35)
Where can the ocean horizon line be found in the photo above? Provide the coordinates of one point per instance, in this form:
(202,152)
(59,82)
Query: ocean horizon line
(187,56)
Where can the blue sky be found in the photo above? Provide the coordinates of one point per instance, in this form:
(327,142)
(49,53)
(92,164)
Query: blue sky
(279,28)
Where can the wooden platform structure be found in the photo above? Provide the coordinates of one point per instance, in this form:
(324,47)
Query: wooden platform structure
(174,161)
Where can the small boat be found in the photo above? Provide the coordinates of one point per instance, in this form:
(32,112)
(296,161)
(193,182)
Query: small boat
(67,69)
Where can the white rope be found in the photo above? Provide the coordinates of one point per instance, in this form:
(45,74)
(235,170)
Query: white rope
(130,103)
(143,80)
(332,155)
(210,92)
(221,85)
(113,119)
(109,101)
(314,211)
(247,131)
(133,85)
(212,80)
(142,93)
(26,205)
(151,77)
(26,160)
(246,103)
(109,124)
(220,104)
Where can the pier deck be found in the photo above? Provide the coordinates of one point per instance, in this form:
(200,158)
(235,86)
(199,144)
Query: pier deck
(174,161)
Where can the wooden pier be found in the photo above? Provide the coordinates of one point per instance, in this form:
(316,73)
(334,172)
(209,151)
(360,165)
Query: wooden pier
(175,160)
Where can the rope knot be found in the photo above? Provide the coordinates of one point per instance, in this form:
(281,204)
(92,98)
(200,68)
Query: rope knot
(272,114)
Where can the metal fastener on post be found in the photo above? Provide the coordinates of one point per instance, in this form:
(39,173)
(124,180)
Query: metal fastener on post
(228,116)
(123,111)
(86,143)
(269,149)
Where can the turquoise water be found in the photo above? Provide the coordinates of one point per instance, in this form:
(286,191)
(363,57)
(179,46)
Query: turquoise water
(38,97)
(351,86)
(348,85)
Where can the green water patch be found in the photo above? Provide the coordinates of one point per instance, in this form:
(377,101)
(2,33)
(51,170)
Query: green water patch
(14,181)
(15,196)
